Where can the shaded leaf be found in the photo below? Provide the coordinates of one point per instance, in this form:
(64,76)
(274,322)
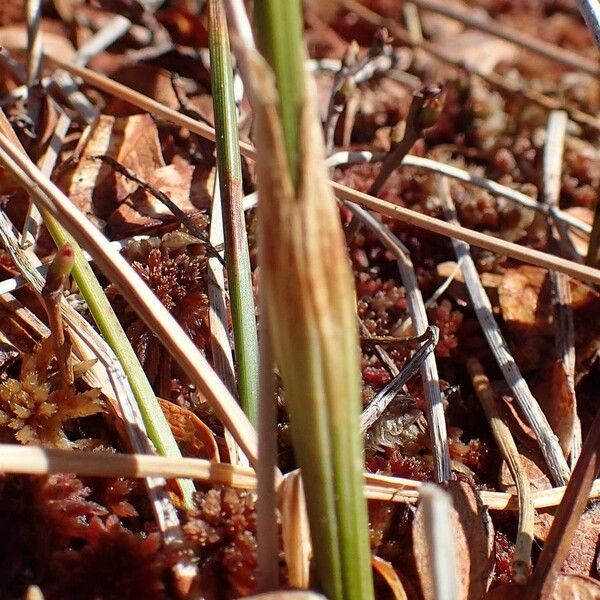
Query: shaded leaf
(524,296)
(557,400)
(132,141)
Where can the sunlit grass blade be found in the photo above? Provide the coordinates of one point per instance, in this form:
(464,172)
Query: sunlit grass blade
(309,299)
(237,256)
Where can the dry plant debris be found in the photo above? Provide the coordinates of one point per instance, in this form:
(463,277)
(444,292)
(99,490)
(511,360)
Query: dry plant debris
(489,73)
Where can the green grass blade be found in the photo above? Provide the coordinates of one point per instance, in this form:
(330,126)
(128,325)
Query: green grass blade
(279,36)
(237,256)
(157,426)
(309,296)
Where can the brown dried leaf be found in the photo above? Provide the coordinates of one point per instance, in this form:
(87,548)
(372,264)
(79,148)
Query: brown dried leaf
(387,571)
(477,525)
(474,538)
(195,438)
(92,185)
(557,400)
(576,587)
(524,297)
(582,555)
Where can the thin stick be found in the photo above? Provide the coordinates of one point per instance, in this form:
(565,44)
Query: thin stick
(44,461)
(34,60)
(521,562)
(137,293)
(590,10)
(491,26)
(561,290)
(418,314)
(267,534)
(359,157)
(33,218)
(413,131)
(504,84)
(532,412)
(52,294)
(567,516)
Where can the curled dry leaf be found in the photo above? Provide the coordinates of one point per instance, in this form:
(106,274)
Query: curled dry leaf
(387,571)
(524,297)
(194,437)
(474,539)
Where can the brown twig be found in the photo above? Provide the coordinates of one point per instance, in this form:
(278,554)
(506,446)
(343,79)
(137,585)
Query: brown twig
(423,112)
(521,562)
(52,294)
(567,516)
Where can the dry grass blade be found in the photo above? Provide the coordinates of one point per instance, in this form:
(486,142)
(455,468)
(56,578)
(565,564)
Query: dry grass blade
(567,516)
(295,530)
(521,563)
(434,547)
(360,157)
(481,240)
(217,317)
(529,406)
(33,218)
(489,25)
(561,290)
(137,293)
(34,60)
(44,461)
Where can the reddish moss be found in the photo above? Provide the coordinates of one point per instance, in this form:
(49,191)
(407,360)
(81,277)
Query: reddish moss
(115,564)
(222,531)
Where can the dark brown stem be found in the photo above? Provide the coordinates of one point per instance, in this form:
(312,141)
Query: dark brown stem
(416,121)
